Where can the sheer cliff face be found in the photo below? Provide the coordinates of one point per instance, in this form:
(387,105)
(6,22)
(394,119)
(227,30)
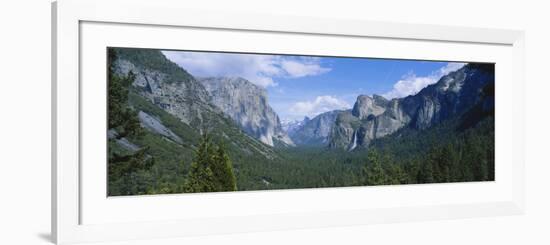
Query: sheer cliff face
(247,105)
(375,117)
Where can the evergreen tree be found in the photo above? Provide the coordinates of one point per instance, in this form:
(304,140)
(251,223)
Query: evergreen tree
(124,121)
(412,168)
(374,171)
(426,173)
(447,160)
(201,177)
(396,174)
(211,170)
(223,170)
(120,166)
(472,159)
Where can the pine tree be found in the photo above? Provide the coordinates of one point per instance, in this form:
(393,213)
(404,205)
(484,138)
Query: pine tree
(120,116)
(448,159)
(211,170)
(374,171)
(120,166)
(223,170)
(125,122)
(426,173)
(201,177)
(396,174)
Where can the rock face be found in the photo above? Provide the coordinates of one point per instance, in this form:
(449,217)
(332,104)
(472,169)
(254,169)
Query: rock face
(291,126)
(374,117)
(184,98)
(155,125)
(366,106)
(112,134)
(247,105)
(314,131)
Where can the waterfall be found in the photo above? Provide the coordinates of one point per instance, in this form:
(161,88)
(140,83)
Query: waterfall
(354,144)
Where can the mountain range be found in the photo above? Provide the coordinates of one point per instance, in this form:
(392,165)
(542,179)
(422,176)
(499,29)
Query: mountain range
(198,102)
(450,121)
(374,117)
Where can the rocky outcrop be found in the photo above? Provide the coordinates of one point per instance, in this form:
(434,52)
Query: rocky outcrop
(375,117)
(187,99)
(291,126)
(155,125)
(366,106)
(314,131)
(247,105)
(122,141)
(343,130)
(371,118)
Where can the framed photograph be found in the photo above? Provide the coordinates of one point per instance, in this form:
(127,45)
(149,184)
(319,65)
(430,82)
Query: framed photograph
(170,125)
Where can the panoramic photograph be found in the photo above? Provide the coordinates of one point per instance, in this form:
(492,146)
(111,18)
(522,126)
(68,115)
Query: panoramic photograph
(204,121)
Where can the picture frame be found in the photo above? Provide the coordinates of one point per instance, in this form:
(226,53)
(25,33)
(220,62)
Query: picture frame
(71,21)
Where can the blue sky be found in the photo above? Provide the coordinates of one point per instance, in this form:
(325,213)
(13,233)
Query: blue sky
(301,86)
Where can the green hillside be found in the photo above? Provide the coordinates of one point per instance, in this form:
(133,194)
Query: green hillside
(172,160)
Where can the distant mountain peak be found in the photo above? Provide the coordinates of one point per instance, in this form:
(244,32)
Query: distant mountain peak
(314,131)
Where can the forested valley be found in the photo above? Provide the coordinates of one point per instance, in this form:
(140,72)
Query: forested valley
(153,151)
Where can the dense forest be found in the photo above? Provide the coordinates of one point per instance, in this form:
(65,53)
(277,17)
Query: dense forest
(212,159)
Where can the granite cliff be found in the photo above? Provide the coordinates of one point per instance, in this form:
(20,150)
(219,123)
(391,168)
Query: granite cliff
(247,104)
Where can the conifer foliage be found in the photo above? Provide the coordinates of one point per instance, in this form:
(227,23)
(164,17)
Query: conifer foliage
(123,122)
(211,170)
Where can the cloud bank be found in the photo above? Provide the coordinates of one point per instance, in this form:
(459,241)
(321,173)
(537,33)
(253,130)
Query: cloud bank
(317,106)
(258,69)
(411,84)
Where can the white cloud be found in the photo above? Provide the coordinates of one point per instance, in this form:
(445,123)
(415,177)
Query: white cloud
(411,84)
(317,106)
(259,69)
(301,69)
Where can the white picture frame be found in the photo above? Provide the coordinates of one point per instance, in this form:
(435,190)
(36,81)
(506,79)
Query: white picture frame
(68,197)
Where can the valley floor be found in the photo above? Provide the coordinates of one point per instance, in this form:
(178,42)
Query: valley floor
(444,153)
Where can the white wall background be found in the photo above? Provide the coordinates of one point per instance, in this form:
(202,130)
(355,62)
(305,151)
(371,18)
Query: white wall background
(25,122)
